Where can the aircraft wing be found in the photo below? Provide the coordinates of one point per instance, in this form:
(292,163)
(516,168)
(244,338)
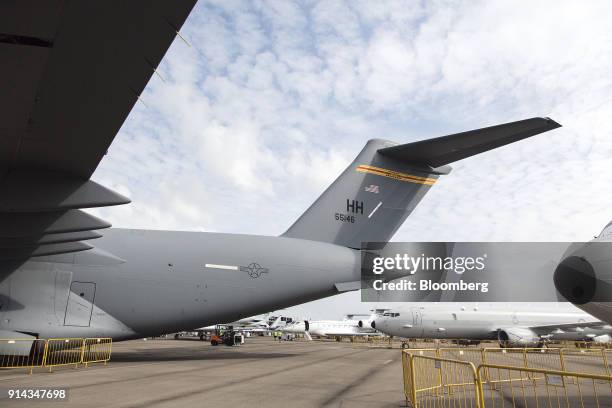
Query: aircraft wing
(71,72)
(571,327)
(348,332)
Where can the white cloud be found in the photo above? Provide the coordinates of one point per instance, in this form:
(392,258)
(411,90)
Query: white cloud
(275,98)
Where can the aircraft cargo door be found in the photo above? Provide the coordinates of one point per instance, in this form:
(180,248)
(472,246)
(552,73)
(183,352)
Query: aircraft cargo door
(80,304)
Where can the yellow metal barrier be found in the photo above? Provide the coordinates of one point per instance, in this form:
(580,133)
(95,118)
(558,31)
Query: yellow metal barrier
(22,353)
(408,376)
(61,352)
(507,378)
(594,358)
(438,382)
(544,358)
(527,357)
(96,350)
(380,341)
(31,353)
(429,352)
(473,355)
(533,387)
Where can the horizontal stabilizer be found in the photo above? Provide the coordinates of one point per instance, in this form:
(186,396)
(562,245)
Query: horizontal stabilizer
(447,149)
(348,286)
(32,242)
(15,225)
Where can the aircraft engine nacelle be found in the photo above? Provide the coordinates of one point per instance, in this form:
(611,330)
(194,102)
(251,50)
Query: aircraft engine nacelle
(604,338)
(518,337)
(365,323)
(576,279)
(584,274)
(583,277)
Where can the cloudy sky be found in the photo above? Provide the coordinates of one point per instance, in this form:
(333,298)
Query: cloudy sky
(274,99)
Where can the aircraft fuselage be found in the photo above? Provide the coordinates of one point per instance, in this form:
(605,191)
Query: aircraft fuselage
(481,322)
(138,283)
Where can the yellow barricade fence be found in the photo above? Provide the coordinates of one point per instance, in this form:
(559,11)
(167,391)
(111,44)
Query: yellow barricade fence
(408,380)
(592,357)
(534,387)
(506,378)
(380,341)
(61,352)
(594,360)
(97,350)
(429,352)
(473,355)
(22,353)
(31,353)
(407,373)
(545,358)
(438,382)
(526,357)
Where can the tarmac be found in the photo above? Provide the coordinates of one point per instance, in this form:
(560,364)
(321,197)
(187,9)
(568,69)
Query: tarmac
(261,372)
(264,372)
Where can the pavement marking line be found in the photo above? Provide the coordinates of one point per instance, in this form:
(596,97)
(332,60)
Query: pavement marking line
(388,361)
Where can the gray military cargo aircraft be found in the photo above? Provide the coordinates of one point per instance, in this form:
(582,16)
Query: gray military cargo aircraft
(76,69)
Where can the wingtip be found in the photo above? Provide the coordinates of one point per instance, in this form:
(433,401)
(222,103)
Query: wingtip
(125,200)
(553,123)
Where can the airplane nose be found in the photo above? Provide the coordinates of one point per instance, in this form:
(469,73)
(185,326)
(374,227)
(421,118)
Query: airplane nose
(575,279)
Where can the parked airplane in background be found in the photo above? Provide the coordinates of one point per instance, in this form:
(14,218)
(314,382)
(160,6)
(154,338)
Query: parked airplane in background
(278,322)
(584,277)
(256,324)
(348,327)
(512,324)
(67,98)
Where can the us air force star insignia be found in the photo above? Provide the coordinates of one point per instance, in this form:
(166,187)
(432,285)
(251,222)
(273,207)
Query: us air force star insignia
(254,270)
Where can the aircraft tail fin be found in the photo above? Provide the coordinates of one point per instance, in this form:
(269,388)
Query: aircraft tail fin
(383,185)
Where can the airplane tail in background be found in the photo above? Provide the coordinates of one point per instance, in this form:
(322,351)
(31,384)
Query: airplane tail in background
(383,185)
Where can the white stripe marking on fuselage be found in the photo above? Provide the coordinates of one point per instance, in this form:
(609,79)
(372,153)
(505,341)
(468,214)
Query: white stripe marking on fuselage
(374,210)
(215,266)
